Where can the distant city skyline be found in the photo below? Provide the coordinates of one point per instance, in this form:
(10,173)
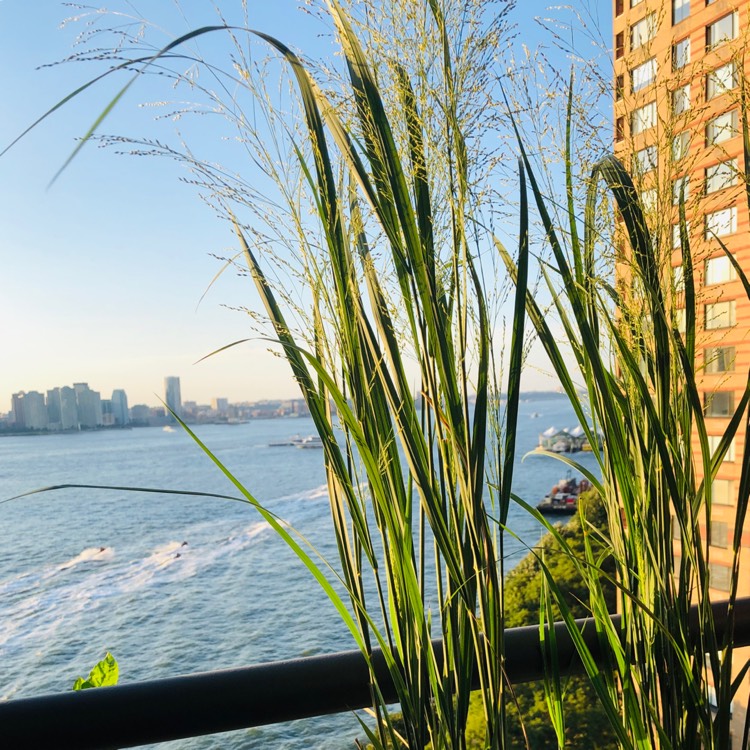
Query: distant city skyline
(108,273)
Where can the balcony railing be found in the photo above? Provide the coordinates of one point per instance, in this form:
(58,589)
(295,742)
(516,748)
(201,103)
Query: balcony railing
(169,709)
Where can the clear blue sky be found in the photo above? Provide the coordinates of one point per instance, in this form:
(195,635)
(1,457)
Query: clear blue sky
(101,275)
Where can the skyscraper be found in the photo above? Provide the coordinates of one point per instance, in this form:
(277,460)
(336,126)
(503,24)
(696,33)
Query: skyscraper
(120,407)
(172,394)
(678,67)
(68,408)
(89,406)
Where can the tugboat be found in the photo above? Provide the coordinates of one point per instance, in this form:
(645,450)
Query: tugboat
(562,499)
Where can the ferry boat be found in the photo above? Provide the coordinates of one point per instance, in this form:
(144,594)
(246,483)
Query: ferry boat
(298,441)
(562,499)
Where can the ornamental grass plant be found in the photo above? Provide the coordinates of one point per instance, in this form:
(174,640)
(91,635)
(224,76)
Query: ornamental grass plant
(392,295)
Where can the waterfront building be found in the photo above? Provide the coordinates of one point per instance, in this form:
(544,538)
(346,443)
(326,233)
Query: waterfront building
(120,407)
(68,408)
(140,414)
(35,411)
(220,405)
(17,416)
(678,68)
(89,406)
(172,395)
(54,409)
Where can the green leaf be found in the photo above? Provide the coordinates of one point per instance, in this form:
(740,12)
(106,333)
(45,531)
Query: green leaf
(104,674)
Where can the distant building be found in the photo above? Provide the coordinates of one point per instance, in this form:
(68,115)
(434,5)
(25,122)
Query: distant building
(120,407)
(17,416)
(172,394)
(89,406)
(35,411)
(108,418)
(220,405)
(139,414)
(68,408)
(54,409)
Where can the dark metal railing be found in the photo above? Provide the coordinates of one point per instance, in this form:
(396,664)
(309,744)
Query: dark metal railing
(159,710)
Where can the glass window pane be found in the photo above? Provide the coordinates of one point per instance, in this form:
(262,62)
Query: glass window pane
(719,534)
(643,118)
(676,233)
(719,270)
(722,492)
(721,175)
(680,146)
(721,80)
(720,577)
(678,278)
(713,444)
(643,31)
(681,99)
(680,185)
(718,404)
(644,160)
(680,10)
(643,75)
(720,223)
(720,315)
(722,128)
(719,359)
(681,54)
(721,31)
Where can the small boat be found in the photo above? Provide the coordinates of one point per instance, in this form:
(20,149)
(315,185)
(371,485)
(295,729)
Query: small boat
(562,499)
(311,441)
(298,441)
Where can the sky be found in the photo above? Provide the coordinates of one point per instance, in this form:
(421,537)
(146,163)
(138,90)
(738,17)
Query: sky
(107,275)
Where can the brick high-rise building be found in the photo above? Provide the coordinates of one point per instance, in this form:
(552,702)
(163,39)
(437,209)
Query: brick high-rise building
(678,66)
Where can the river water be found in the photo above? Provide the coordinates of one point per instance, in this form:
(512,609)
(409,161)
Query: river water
(172,584)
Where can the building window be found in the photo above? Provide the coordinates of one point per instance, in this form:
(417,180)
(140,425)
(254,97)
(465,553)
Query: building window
(720,577)
(721,175)
(721,223)
(680,145)
(720,315)
(681,54)
(678,279)
(680,320)
(718,534)
(619,45)
(718,404)
(643,118)
(729,456)
(619,7)
(719,270)
(619,86)
(718,359)
(633,3)
(643,75)
(722,30)
(643,31)
(721,128)
(681,185)
(648,200)
(680,10)
(619,128)
(681,99)
(644,160)
(722,490)
(721,80)
(676,234)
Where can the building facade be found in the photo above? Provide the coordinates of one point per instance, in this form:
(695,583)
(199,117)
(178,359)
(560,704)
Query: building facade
(679,66)
(172,395)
